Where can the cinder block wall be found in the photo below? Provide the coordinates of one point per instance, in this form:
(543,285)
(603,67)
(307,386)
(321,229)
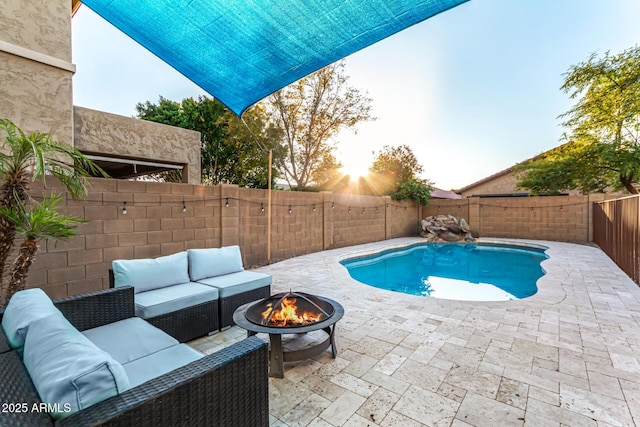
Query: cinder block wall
(358,219)
(162,219)
(293,233)
(403,219)
(154,225)
(561,218)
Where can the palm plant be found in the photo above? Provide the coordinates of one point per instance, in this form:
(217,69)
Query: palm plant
(26,158)
(42,221)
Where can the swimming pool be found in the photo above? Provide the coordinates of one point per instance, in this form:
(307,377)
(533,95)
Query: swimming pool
(457,271)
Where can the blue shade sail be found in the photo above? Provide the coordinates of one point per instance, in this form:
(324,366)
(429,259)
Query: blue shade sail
(240,51)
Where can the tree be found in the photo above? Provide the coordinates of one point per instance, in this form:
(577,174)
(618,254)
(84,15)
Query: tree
(396,170)
(26,158)
(43,221)
(250,138)
(310,113)
(603,130)
(231,151)
(396,163)
(327,172)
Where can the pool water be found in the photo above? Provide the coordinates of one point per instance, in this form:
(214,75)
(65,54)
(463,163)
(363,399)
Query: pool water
(458,271)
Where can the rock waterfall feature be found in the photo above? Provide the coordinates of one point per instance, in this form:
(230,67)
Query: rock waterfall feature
(446,228)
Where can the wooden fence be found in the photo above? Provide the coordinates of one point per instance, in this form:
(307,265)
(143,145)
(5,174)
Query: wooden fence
(616,229)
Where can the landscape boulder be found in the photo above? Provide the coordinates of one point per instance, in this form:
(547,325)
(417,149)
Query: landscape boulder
(446,228)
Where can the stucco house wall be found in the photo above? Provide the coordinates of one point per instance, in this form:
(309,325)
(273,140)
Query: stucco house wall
(35,66)
(503,183)
(500,184)
(97,132)
(36,93)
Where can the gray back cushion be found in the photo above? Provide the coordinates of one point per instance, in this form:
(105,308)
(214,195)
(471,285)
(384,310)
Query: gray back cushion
(24,308)
(147,274)
(213,262)
(68,369)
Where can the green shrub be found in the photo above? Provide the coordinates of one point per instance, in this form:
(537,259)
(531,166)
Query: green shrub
(417,190)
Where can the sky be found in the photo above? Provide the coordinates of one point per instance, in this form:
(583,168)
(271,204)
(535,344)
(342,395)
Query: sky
(471,91)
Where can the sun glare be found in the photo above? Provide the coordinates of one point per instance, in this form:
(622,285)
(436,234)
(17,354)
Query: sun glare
(355,170)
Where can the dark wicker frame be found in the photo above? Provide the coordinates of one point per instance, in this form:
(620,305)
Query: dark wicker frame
(229,304)
(196,321)
(188,323)
(227,388)
(4,345)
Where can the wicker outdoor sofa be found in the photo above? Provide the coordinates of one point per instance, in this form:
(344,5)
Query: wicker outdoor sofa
(191,293)
(227,388)
(187,323)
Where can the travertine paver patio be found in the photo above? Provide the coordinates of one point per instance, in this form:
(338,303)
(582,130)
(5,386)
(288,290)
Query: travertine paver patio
(569,355)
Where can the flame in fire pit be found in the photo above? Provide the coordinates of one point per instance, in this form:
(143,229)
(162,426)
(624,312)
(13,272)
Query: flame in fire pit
(288,314)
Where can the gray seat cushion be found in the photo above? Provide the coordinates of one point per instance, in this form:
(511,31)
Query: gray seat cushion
(172,298)
(147,368)
(237,283)
(130,339)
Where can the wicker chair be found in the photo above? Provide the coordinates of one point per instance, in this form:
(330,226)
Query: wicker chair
(227,388)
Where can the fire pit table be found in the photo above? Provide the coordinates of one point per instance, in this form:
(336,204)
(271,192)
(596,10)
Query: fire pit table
(290,313)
